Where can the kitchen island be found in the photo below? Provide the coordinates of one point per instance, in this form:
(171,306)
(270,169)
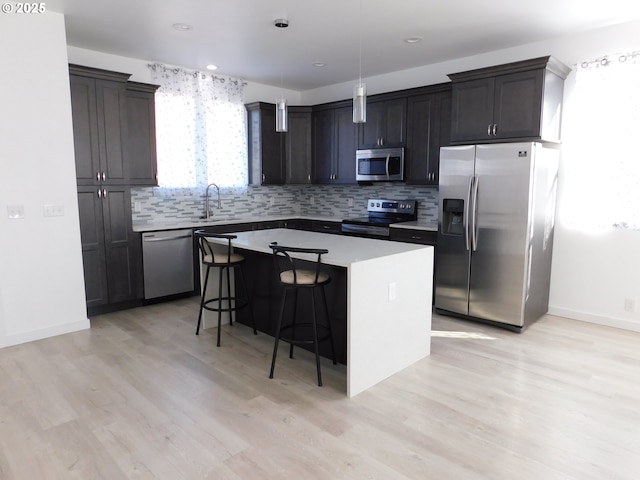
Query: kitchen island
(388,298)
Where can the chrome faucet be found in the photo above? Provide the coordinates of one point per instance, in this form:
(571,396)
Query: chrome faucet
(207,212)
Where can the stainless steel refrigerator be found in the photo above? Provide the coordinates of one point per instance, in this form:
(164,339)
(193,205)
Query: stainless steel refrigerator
(495,231)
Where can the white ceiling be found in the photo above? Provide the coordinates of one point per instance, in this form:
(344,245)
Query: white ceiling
(240,37)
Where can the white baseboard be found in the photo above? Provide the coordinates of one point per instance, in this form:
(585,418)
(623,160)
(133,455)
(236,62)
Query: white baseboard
(598,319)
(24,337)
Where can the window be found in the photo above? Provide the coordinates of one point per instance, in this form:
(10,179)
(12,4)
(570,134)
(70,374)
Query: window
(600,155)
(200,129)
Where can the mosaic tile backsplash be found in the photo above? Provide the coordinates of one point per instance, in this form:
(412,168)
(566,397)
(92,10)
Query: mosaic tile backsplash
(154,204)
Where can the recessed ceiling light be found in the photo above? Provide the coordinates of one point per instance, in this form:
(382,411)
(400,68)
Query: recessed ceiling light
(212,67)
(181,27)
(319,64)
(281,22)
(413,40)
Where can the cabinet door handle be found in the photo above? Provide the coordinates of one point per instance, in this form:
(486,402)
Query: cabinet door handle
(104,193)
(495,129)
(97,176)
(104,176)
(263,178)
(489,129)
(99,193)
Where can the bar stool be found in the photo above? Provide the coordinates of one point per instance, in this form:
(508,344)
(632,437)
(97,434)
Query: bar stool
(293,278)
(224,261)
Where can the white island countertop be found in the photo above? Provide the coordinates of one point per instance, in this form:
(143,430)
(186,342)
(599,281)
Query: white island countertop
(389,292)
(343,250)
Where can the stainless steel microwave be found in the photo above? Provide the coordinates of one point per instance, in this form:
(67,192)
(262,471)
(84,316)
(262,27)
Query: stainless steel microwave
(380,165)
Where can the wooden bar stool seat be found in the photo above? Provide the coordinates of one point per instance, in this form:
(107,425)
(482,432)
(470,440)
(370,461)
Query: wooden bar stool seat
(224,261)
(293,277)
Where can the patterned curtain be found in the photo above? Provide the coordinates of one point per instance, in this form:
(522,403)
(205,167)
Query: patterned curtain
(602,160)
(200,129)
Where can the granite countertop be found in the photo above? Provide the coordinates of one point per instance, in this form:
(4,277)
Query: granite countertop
(178,223)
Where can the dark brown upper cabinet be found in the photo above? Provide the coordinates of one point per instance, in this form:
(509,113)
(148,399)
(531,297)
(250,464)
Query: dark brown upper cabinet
(386,124)
(334,140)
(265,145)
(510,102)
(98,103)
(428,129)
(299,145)
(140,147)
(276,158)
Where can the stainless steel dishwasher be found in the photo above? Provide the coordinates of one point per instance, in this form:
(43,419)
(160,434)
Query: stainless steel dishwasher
(168,262)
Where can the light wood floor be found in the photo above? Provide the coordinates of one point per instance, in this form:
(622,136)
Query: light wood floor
(140,396)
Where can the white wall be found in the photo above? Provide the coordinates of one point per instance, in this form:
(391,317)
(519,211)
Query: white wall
(593,272)
(139,71)
(41,278)
(569,50)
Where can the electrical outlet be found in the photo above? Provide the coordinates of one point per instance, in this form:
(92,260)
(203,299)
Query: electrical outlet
(349,202)
(15,211)
(312,200)
(629,305)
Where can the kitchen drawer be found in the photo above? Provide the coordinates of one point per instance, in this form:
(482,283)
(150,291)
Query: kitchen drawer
(227,228)
(300,224)
(267,225)
(326,227)
(423,237)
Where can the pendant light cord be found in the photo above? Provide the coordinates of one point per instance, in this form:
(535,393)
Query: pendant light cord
(360,52)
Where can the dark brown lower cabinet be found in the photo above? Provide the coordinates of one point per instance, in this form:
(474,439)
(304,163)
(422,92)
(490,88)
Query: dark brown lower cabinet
(111,251)
(266,297)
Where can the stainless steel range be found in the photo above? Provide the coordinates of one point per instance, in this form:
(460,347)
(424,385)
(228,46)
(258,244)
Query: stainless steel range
(382,213)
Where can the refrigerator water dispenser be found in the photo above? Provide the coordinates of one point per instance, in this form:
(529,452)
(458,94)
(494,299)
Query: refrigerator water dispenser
(453,216)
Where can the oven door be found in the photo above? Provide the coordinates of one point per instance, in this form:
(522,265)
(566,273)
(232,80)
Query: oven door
(366,231)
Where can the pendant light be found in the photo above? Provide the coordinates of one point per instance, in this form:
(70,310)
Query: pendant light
(360,90)
(282,116)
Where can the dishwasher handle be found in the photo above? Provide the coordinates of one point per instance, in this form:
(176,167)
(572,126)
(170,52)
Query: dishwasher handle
(163,239)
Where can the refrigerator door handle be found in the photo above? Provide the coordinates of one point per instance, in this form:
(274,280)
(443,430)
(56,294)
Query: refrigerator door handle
(474,228)
(466,213)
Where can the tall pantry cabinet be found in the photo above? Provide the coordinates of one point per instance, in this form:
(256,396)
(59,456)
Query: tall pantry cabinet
(111,253)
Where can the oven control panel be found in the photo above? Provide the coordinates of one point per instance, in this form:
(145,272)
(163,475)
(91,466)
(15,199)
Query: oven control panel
(392,206)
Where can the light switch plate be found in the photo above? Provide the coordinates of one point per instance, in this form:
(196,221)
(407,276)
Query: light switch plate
(393,292)
(51,210)
(15,211)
